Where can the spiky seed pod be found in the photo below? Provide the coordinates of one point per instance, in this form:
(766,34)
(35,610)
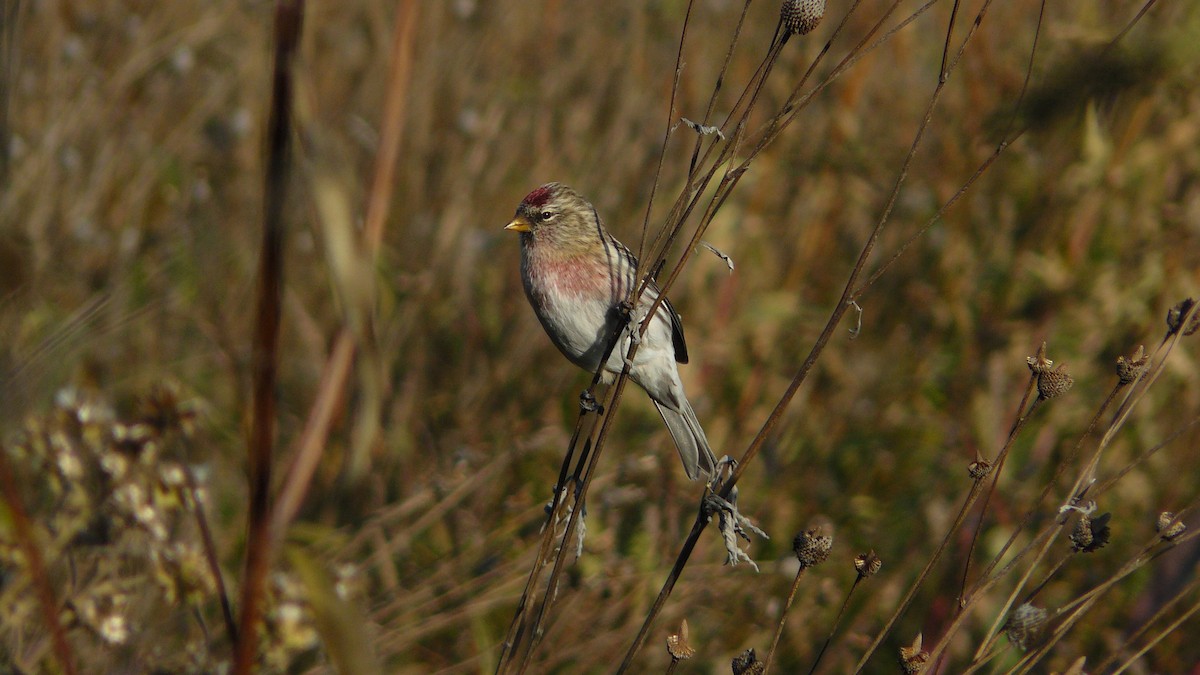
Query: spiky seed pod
(1054,383)
(867,564)
(1091,534)
(677,644)
(913,658)
(747,663)
(812,547)
(1024,627)
(801,16)
(1175,318)
(1038,363)
(1168,528)
(1130,369)
(979,469)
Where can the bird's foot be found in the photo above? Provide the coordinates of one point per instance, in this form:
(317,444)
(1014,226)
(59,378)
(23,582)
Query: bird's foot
(589,404)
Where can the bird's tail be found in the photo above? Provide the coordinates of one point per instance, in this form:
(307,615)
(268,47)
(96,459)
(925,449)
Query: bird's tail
(697,456)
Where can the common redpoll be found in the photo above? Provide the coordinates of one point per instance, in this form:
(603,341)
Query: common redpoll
(576,275)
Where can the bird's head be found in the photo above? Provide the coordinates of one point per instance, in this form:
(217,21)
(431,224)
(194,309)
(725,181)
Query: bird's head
(555,212)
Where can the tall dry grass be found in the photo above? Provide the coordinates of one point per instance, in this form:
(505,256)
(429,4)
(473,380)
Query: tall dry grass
(132,207)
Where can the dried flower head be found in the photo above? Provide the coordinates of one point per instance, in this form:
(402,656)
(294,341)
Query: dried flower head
(979,469)
(812,547)
(1130,369)
(801,16)
(1052,383)
(867,564)
(1090,534)
(747,663)
(1025,626)
(677,644)
(913,658)
(1038,363)
(1175,317)
(1168,527)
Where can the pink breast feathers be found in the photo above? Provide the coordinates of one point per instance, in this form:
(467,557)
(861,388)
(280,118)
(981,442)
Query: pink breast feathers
(577,276)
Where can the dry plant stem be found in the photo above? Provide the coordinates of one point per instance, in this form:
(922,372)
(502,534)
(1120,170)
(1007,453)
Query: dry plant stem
(972,495)
(1075,610)
(9,14)
(517,628)
(1044,538)
(1105,665)
(1135,395)
(1167,630)
(336,371)
(836,622)
(995,476)
(23,531)
(685,553)
(391,124)
(1047,536)
(783,618)
(1058,472)
(210,555)
(838,312)
(1103,486)
(662,153)
(614,400)
(312,439)
(289,17)
(1132,22)
(844,302)
(1008,137)
(693,190)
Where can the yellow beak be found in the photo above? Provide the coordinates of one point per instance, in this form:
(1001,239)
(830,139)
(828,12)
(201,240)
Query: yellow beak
(518,224)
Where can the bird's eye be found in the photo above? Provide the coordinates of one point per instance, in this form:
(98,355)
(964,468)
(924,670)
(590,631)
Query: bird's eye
(547,215)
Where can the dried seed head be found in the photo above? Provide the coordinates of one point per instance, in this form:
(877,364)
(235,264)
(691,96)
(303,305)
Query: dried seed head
(1175,318)
(1091,534)
(747,663)
(867,564)
(1053,383)
(801,16)
(1024,627)
(1169,528)
(677,644)
(979,469)
(1039,363)
(812,547)
(1130,369)
(913,658)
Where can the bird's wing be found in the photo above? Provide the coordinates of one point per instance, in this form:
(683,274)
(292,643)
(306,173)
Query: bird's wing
(677,339)
(652,292)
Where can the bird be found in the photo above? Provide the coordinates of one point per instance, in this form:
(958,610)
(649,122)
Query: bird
(576,277)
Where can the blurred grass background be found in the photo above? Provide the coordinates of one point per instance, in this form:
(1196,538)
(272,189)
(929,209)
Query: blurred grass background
(135,176)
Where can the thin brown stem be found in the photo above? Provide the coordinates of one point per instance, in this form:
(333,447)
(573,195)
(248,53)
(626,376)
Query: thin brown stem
(289,19)
(836,622)
(36,564)
(787,606)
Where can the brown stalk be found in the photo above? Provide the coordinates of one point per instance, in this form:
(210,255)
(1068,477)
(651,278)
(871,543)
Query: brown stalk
(836,622)
(23,530)
(336,371)
(835,318)
(1047,537)
(787,606)
(518,629)
(289,19)
(1167,630)
(210,554)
